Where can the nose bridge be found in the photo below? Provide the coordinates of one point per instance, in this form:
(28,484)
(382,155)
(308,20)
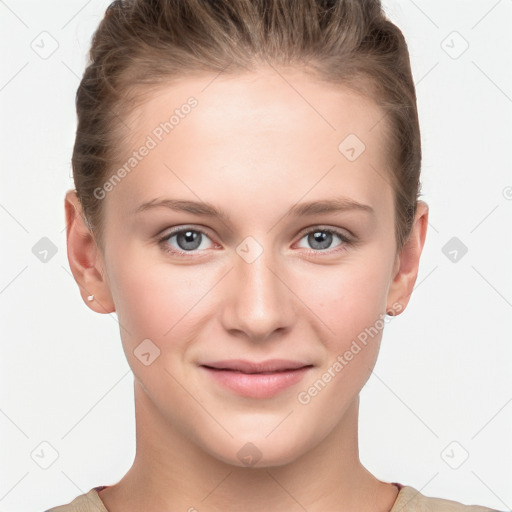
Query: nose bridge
(259,302)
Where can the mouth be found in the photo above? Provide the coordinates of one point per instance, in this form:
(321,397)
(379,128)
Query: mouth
(254,379)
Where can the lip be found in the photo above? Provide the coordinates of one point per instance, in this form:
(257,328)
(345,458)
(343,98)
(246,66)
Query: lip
(256,379)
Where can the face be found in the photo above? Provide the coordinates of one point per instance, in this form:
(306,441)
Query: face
(249,252)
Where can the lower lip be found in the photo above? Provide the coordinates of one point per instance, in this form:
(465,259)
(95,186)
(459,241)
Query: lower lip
(257,385)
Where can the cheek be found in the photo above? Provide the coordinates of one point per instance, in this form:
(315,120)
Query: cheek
(351,304)
(348,298)
(150,298)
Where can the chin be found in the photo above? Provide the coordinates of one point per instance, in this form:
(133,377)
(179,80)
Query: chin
(259,453)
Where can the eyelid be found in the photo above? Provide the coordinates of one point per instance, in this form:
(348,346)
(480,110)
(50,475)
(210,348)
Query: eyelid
(319,227)
(184,227)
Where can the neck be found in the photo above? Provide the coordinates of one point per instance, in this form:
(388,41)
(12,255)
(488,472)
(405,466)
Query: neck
(170,473)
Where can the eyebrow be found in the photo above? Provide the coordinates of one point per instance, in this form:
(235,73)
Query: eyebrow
(335,205)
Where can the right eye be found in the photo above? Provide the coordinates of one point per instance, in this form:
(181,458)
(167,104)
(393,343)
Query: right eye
(184,240)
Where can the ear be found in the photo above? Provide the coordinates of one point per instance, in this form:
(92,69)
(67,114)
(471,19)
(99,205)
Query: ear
(407,261)
(85,258)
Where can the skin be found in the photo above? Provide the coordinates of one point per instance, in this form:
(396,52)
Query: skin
(253,147)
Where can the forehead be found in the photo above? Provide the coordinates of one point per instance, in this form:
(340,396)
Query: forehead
(265,130)
(265,100)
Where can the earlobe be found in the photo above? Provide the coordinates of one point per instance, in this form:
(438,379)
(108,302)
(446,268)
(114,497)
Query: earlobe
(407,262)
(85,258)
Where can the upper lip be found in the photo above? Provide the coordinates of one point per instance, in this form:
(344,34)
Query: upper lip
(245,366)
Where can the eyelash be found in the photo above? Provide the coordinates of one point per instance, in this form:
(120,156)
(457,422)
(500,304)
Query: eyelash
(345,241)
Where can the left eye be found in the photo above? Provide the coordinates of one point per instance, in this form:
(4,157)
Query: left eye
(321,239)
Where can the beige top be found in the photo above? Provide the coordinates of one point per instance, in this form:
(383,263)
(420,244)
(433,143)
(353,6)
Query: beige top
(408,500)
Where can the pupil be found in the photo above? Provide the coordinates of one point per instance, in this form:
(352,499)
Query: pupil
(190,240)
(320,239)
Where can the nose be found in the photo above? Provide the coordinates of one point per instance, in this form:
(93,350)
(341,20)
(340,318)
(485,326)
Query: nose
(257,300)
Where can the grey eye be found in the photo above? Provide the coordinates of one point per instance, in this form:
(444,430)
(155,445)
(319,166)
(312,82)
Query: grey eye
(321,239)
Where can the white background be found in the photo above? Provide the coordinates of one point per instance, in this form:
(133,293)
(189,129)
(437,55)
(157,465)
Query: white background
(444,373)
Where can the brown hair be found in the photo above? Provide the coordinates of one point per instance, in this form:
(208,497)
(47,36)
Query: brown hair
(141,43)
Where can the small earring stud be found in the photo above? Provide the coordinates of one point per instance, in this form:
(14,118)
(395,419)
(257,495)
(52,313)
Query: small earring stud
(90,297)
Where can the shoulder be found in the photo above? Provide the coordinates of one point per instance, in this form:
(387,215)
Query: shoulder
(408,500)
(89,502)
(411,500)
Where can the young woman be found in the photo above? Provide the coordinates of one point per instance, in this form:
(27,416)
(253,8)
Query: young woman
(247,184)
